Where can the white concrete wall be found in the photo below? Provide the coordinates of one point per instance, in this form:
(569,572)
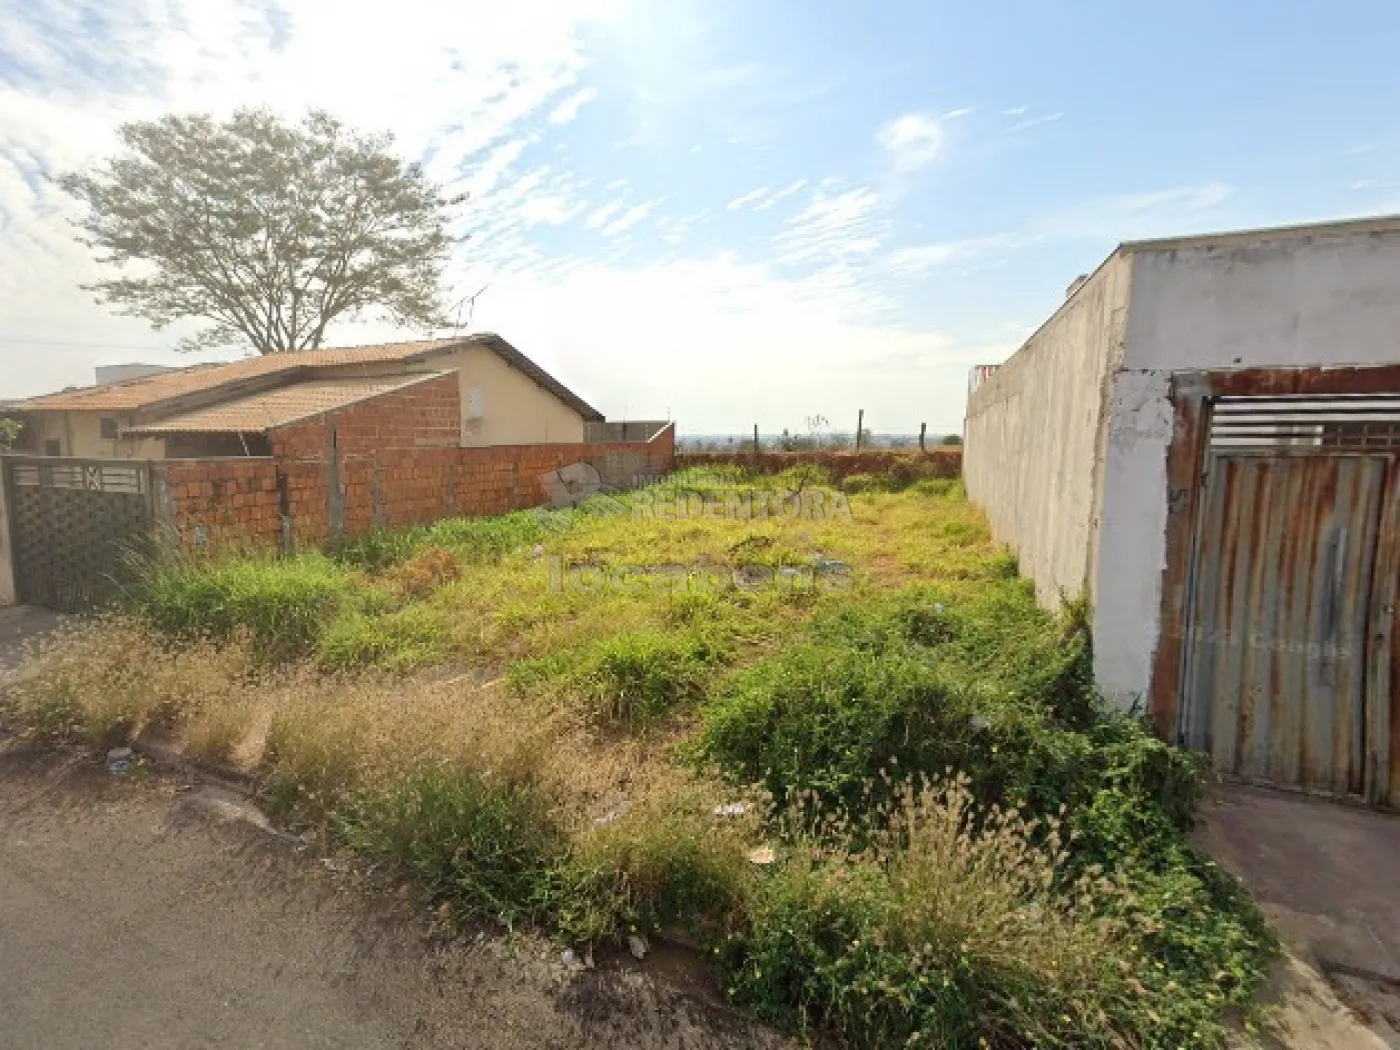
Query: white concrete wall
(1035,433)
(1272,299)
(1275,299)
(1131,547)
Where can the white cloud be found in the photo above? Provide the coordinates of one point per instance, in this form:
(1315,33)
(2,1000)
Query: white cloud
(743,201)
(568,110)
(1015,111)
(925,257)
(742,345)
(630,218)
(912,141)
(834,226)
(601,216)
(1130,216)
(550,210)
(1045,118)
(471,88)
(461,86)
(781,195)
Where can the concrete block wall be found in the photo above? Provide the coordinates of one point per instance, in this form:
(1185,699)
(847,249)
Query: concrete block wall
(1037,433)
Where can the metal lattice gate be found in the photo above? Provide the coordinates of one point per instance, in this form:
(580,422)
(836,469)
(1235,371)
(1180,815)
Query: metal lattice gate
(78,527)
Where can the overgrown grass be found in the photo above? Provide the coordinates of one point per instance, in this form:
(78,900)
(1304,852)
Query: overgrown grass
(285,605)
(892,810)
(880,696)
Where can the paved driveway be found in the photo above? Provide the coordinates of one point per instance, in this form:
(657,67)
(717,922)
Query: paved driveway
(21,625)
(136,915)
(1328,876)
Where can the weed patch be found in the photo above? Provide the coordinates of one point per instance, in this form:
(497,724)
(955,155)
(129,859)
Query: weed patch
(638,676)
(283,605)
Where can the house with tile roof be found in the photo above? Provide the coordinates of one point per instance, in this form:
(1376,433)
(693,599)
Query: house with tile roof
(234,409)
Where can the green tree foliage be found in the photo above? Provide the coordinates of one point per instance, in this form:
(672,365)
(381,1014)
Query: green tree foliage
(10,430)
(269,230)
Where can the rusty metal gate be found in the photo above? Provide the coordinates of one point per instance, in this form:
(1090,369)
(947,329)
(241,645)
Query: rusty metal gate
(1292,598)
(77,527)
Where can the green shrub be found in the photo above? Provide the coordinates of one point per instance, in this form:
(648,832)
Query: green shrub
(920,682)
(378,550)
(412,637)
(997,690)
(284,605)
(652,870)
(484,845)
(948,927)
(486,539)
(872,483)
(637,676)
(944,488)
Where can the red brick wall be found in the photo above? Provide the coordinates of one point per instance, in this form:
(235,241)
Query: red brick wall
(942,462)
(391,472)
(217,502)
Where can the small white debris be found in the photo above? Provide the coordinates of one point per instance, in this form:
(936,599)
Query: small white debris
(615,813)
(120,761)
(335,865)
(637,945)
(731,809)
(571,960)
(539,550)
(938,607)
(761,855)
(979,723)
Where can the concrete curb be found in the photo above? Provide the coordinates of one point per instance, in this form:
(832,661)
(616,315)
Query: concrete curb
(163,753)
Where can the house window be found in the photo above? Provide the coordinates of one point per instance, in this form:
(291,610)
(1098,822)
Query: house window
(53,447)
(107,429)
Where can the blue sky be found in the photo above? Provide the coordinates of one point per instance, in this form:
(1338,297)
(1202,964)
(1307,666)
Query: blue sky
(734,212)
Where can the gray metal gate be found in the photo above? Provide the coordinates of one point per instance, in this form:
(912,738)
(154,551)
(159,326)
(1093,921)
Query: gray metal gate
(1293,591)
(77,527)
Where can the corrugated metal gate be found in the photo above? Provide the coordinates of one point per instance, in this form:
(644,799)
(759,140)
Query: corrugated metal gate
(75,526)
(1293,590)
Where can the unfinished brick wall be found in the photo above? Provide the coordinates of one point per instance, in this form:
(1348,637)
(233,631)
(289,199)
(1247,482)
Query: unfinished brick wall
(220,501)
(369,466)
(941,462)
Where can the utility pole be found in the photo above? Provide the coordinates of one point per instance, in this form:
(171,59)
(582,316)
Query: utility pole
(923,427)
(860,426)
(755,442)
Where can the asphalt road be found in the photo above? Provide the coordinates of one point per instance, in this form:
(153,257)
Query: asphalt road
(139,915)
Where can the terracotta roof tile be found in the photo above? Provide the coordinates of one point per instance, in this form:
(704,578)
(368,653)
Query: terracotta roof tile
(137,394)
(256,413)
(133,394)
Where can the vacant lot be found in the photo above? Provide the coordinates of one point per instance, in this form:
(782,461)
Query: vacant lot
(824,734)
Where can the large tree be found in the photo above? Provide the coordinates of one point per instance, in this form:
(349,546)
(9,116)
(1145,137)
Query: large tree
(269,230)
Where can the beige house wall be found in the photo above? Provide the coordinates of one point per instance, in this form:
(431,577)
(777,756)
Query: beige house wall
(515,410)
(79,434)
(1036,434)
